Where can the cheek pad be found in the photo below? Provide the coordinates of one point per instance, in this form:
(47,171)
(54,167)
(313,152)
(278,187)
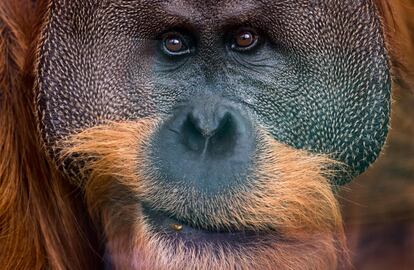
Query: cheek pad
(336,101)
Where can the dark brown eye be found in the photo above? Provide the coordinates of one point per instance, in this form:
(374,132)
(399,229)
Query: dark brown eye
(244,40)
(174,44)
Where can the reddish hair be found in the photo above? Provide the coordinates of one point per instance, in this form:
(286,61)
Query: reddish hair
(42,225)
(43,222)
(292,195)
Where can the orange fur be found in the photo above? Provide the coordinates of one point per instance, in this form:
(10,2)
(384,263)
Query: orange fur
(43,219)
(42,223)
(289,194)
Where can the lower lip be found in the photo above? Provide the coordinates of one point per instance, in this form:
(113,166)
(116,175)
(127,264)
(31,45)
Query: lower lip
(174,230)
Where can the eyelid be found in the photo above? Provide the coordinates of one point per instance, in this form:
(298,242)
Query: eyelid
(183,37)
(233,34)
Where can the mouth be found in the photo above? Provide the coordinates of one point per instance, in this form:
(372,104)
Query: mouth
(177,231)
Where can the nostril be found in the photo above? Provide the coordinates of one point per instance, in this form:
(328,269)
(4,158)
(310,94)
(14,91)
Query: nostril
(224,138)
(191,134)
(224,124)
(198,125)
(212,134)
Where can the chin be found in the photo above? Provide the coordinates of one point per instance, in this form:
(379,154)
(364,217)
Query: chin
(275,217)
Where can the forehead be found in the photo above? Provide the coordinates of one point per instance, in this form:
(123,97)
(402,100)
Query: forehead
(210,12)
(204,14)
(216,9)
(209,9)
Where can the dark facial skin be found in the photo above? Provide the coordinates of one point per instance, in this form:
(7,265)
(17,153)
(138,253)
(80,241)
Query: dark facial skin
(318,78)
(312,73)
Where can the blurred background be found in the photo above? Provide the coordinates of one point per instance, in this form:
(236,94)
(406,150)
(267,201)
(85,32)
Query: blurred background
(378,206)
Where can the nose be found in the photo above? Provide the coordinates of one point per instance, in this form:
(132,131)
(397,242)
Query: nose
(211,131)
(207,144)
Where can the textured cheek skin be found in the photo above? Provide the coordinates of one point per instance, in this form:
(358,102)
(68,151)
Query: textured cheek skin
(91,70)
(321,82)
(341,101)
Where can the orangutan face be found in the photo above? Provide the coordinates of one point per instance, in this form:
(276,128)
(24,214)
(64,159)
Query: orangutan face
(209,134)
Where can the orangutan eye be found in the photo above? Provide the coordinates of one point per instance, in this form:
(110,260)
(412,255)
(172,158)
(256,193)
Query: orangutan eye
(244,40)
(175,44)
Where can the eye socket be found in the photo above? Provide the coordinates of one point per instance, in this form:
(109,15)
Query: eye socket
(174,44)
(244,40)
